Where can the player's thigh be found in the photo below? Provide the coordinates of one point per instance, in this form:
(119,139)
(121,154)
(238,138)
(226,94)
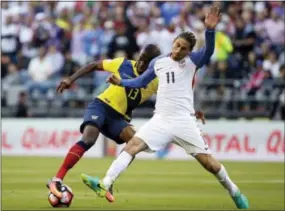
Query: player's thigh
(94,115)
(117,128)
(189,136)
(190,148)
(155,133)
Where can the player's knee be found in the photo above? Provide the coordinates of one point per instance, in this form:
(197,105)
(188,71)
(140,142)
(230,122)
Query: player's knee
(134,146)
(90,135)
(127,134)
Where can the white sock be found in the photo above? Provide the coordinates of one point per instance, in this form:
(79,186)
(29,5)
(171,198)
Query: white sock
(225,180)
(117,167)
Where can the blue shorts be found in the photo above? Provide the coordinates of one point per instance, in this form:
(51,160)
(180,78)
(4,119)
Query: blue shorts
(109,122)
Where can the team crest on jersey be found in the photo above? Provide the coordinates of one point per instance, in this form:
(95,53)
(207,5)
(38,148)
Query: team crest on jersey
(182,63)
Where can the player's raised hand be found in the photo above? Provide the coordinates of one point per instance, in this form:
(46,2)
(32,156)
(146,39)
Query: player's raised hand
(112,79)
(212,17)
(64,84)
(200,115)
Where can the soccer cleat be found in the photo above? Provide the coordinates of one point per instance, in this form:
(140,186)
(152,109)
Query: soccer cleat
(240,200)
(54,185)
(98,187)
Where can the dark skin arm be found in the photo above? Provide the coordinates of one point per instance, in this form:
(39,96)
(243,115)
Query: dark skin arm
(67,82)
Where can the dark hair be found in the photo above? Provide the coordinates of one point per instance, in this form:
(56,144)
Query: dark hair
(149,53)
(189,37)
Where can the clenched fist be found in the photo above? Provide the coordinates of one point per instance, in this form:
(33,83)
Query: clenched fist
(112,79)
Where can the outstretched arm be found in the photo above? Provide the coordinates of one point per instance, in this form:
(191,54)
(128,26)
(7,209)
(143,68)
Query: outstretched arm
(141,81)
(203,55)
(87,69)
(110,65)
(67,82)
(138,82)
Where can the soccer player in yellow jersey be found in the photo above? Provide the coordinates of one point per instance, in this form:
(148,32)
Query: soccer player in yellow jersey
(110,112)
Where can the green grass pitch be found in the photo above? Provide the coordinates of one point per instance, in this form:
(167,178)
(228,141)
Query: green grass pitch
(159,184)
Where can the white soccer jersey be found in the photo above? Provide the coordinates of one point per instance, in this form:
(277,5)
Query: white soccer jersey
(175,93)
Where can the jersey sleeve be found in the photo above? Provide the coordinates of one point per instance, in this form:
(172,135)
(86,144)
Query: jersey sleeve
(143,80)
(112,65)
(203,55)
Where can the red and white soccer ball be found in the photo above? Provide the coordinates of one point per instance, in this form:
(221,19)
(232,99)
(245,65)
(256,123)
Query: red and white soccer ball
(66,199)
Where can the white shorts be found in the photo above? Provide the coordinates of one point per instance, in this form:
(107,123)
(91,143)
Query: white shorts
(159,131)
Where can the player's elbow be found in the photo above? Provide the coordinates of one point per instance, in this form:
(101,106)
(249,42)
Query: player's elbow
(95,66)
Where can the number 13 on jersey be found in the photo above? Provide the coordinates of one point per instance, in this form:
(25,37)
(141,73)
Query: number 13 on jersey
(133,93)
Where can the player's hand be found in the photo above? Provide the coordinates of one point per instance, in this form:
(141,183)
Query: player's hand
(200,115)
(64,84)
(112,79)
(212,17)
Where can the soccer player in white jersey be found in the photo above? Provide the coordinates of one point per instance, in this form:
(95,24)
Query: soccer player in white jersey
(174,120)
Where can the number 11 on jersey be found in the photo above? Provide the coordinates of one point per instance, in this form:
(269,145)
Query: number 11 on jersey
(168,75)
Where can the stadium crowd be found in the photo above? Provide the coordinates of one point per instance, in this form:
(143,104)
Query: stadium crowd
(41,42)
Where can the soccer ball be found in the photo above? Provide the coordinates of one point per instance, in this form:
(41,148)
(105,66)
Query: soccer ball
(66,199)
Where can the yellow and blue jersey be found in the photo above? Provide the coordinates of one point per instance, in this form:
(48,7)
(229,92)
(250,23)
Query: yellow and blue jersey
(123,99)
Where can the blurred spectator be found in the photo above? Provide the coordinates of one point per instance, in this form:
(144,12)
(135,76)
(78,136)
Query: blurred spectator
(93,41)
(63,5)
(77,49)
(256,78)
(122,41)
(260,19)
(223,44)
(282,106)
(69,66)
(199,31)
(9,38)
(5,60)
(22,108)
(255,82)
(170,10)
(275,28)
(41,30)
(26,37)
(39,73)
(63,21)
(144,36)
(55,57)
(279,102)
(222,72)
(271,64)
(249,64)
(282,72)
(108,35)
(282,58)
(57,34)
(4,11)
(282,93)
(22,62)
(163,35)
(12,77)
(244,38)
